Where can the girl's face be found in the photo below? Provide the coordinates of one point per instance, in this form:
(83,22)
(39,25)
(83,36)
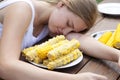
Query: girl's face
(63,21)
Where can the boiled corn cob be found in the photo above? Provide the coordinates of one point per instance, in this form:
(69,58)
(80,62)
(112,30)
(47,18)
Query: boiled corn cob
(111,40)
(117,34)
(41,50)
(31,55)
(105,37)
(117,38)
(37,60)
(42,53)
(63,49)
(59,44)
(56,39)
(52,41)
(64,59)
(47,46)
(26,50)
(46,61)
(116,45)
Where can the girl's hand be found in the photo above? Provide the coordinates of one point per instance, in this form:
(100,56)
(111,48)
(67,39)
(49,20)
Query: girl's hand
(89,76)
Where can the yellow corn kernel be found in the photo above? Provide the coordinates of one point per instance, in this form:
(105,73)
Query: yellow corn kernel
(63,60)
(59,43)
(37,60)
(105,37)
(56,39)
(117,34)
(42,49)
(110,42)
(117,38)
(46,61)
(30,55)
(26,50)
(63,49)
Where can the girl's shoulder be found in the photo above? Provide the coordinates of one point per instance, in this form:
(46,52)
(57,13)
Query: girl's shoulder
(6,4)
(12,6)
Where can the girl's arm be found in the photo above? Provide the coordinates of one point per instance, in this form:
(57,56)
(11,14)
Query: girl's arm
(11,68)
(92,47)
(16,21)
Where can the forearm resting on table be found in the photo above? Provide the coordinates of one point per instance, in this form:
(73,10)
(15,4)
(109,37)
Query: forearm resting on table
(92,47)
(19,70)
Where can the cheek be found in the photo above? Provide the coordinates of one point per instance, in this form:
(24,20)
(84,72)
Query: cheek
(51,24)
(82,28)
(56,21)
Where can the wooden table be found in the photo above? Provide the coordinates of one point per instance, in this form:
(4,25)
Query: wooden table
(89,64)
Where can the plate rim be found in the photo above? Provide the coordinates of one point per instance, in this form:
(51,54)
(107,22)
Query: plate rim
(78,60)
(92,35)
(107,4)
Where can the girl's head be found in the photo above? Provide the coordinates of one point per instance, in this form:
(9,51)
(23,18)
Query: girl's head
(77,13)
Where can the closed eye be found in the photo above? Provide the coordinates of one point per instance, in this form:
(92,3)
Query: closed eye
(70,24)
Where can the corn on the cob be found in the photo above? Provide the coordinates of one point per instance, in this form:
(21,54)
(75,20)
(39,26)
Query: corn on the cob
(64,59)
(117,34)
(110,42)
(56,39)
(116,45)
(31,55)
(117,38)
(26,50)
(52,41)
(63,49)
(105,37)
(47,46)
(60,43)
(46,61)
(37,60)
(41,50)
(53,51)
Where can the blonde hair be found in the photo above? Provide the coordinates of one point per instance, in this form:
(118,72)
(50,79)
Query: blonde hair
(85,9)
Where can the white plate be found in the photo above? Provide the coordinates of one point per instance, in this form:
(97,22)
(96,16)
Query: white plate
(109,8)
(73,63)
(96,35)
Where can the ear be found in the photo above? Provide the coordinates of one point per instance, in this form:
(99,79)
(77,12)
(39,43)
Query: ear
(60,4)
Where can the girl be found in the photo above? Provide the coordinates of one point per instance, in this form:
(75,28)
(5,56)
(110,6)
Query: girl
(25,22)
